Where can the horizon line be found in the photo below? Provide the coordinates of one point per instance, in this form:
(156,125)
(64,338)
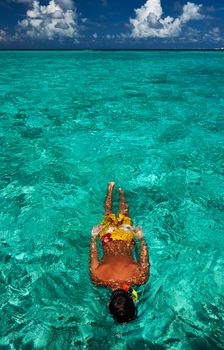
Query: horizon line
(97,49)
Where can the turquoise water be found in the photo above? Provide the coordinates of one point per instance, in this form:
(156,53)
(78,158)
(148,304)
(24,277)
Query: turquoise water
(153,123)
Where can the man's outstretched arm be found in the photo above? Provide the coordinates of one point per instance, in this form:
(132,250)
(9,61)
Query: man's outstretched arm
(94,259)
(143,262)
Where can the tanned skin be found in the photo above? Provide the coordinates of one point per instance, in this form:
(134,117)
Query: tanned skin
(116,270)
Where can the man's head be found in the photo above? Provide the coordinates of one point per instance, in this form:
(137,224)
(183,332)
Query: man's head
(122,306)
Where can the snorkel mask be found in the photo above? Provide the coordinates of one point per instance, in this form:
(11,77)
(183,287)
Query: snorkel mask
(131,292)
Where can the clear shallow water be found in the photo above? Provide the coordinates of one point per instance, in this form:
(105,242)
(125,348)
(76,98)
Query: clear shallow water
(71,122)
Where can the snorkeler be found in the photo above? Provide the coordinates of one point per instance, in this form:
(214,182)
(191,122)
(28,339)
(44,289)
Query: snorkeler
(118,270)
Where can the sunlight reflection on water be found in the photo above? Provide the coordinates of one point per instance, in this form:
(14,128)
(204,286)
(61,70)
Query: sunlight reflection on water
(71,122)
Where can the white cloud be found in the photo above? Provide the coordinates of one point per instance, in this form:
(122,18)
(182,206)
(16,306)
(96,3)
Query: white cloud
(6,37)
(191,12)
(57,19)
(3,35)
(69,4)
(149,22)
(214,35)
(112,36)
(65,4)
(193,35)
(95,35)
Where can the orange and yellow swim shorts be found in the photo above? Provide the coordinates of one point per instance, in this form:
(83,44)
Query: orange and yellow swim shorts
(116,229)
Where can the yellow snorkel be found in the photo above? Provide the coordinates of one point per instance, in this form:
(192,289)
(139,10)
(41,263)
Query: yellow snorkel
(134,294)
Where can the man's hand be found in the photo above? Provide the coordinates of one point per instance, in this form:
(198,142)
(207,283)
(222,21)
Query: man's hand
(95,231)
(138,232)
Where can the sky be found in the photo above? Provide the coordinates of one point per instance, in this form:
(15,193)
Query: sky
(111,24)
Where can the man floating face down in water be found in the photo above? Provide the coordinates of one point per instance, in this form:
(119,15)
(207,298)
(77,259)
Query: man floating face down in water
(118,270)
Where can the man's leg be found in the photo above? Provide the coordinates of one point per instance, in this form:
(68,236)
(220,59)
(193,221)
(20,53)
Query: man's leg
(108,201)
(123,207)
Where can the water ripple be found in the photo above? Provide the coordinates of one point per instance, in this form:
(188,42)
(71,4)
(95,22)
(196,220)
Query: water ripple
(154,125)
